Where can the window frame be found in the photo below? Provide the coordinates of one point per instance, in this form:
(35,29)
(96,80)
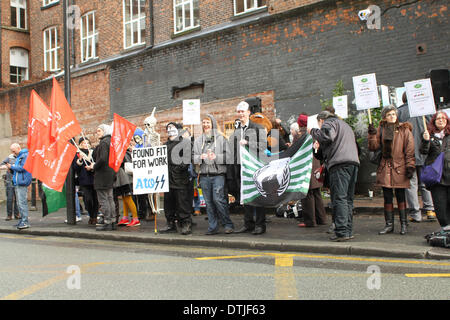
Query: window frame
(247,10)
(191,10)
(142,16)
(25,67)
(53,51)
(19,6)
(92,39)
(48,2)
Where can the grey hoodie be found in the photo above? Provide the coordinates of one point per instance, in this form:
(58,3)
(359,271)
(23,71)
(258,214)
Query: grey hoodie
(218,144)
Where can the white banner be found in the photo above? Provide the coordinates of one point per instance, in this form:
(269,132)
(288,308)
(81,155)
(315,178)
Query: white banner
(150,170)
(420,98)
(366,92)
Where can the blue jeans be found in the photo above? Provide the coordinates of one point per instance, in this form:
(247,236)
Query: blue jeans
(213,188)
(342,189)
(22,202)
(77,205)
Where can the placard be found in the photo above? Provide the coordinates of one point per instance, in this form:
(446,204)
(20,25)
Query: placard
(312,122)
(366,92)
(150,170)
(191,112)
(420,98)
(340,105)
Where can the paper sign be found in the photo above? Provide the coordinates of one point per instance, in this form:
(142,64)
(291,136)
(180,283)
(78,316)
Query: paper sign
(312,122)
(366,92)
(191,112)
(150,170)
(340,105)
(385,99)
(420,98)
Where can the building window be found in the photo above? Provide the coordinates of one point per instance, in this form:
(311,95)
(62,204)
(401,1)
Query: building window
(89,37)
(133,22)
(243,6)
(228,128)
(19,14)
(47,2)
(18,65)
(187,15)
(51,48)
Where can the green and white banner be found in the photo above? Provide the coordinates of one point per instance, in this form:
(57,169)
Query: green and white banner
(279,181)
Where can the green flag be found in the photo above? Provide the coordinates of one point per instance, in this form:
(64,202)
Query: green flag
(279,181)
(52,200)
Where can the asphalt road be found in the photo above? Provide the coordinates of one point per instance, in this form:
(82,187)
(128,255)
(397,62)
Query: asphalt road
(54,268)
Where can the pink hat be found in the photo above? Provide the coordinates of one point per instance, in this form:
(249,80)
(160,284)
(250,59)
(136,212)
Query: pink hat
(302,120)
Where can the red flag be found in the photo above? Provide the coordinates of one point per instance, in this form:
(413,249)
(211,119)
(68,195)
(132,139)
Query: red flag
(39,112)
(123,131)
(65,125)
(48,160)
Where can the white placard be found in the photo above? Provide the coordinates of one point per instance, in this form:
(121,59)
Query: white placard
(340,105)
(420,98)
(312,122)
(385,99)
(447,111)
(150,170)
(366,92)
(191,112)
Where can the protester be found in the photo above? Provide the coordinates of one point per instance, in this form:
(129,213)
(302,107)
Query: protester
(278,137)
(397,164)
(436,139)
(104,177)
(123,187)
(412,196)
(252,136)
(21,180)
(11,202)
(86,179)
(339,152)
(210,153)
(185,133)
(177,202)
(312,205)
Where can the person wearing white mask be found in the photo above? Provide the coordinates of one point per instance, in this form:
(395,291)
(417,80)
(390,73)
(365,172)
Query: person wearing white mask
(177,202)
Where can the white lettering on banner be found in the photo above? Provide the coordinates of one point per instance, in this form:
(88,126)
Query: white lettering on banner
(150,170)
(58,167)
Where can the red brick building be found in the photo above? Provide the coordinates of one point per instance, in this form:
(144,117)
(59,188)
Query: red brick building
(129,56)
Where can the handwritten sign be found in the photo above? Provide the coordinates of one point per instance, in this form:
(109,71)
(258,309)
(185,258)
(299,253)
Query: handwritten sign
(150,170)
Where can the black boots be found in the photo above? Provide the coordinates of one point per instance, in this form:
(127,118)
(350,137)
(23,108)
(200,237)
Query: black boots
(389,218)
(402,213)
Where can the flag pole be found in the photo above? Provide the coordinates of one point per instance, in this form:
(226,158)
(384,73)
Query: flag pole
(70,179)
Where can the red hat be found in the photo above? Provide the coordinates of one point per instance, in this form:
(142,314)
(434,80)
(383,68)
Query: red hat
(302,120)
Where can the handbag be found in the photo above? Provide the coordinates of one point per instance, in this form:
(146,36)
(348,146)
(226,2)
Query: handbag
(432,173)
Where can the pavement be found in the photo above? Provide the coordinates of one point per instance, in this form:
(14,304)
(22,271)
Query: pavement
(282,234)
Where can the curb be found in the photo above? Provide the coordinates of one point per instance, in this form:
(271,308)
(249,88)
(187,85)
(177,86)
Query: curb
(346,248)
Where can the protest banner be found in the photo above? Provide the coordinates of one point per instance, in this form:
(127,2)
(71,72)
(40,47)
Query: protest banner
(366,93)
(340,105)
(150,170)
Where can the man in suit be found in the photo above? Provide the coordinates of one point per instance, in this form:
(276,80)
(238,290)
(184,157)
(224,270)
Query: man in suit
(254,137)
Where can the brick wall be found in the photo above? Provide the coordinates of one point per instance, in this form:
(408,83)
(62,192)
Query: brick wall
(277,6)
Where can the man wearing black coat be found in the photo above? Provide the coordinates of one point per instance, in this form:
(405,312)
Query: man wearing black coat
(178,202)
(254,137)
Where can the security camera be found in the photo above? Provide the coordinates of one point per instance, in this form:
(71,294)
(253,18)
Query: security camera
(363,14)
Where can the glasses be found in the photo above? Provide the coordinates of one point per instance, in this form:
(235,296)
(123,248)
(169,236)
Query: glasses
(442,118)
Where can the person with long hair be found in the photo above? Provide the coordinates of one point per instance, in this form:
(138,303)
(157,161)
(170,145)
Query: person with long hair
(397,164)
(435,141)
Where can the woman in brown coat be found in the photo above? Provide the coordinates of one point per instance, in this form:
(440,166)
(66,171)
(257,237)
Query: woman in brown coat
(397,164)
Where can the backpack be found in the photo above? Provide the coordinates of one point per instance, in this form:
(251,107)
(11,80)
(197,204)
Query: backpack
(440,238)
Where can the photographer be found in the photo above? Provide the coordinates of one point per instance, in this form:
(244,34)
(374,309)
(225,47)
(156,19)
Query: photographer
(11,203)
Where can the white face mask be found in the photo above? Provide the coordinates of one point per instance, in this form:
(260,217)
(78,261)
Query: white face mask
(172,132)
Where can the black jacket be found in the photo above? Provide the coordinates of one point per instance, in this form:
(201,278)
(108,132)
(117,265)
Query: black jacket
(104,175)
(179,158)
(433,148)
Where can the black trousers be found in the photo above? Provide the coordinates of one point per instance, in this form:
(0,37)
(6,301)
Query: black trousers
(178,205)
(90,200)
(441,201)
(388,194)
(254,217)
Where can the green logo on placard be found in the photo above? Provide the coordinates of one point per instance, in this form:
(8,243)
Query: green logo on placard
(364,80)
(417,86)
(191,103)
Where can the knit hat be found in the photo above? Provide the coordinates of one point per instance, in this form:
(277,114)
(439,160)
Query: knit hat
(302,120)
(175,124)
